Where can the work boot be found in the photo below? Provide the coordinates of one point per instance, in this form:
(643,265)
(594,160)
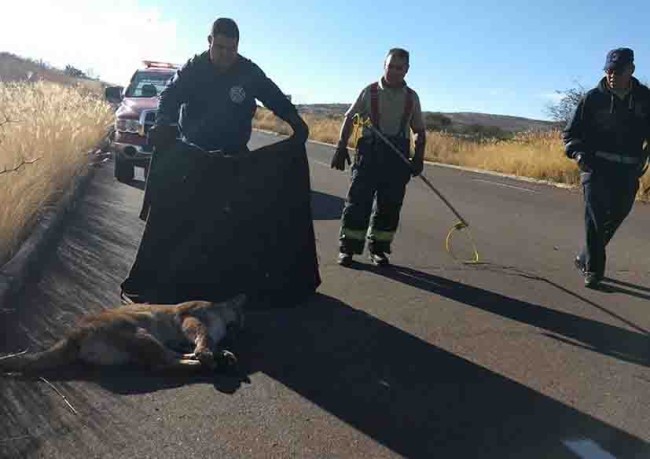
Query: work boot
(580,264)
(592,280)
(379,259)
(344,259)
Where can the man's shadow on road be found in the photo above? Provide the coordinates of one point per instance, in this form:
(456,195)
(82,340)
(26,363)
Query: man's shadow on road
(413,397)
(131,380)
(597,336)
(610,285)
(628,284)
(326,206)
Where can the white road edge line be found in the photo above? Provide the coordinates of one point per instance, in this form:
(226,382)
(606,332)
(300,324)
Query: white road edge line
(505,185)
(460,168)
(319,162)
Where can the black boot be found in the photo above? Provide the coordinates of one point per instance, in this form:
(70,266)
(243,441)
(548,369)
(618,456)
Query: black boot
(344,259)
(379,259)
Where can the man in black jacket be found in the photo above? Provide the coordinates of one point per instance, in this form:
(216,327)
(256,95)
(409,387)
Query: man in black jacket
(207,234)
(608,137)
(215,93)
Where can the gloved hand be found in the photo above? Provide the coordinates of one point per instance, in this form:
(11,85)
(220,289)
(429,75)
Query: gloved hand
(584,161)
(341,156)
(162,137)
(417,166)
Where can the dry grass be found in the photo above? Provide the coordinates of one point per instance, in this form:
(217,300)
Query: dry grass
(538,155)
(320,128)
(50,123)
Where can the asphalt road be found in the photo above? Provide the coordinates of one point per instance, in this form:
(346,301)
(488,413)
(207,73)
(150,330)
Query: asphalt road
(429,358)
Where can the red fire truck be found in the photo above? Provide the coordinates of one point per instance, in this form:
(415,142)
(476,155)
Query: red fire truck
(136,113)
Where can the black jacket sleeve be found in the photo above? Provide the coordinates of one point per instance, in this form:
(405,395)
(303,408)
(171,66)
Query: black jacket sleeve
(575,131)
(174,95)
(647,132)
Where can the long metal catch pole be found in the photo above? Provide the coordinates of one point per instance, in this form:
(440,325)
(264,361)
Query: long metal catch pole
(378,133)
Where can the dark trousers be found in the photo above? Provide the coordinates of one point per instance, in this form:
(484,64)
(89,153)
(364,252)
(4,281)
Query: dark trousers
(609,197)
(374,200)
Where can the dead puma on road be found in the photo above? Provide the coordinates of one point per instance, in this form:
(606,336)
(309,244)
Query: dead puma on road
(142,334)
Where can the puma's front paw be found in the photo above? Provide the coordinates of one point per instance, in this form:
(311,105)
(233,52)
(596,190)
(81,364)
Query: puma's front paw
(225,359)
(206,357)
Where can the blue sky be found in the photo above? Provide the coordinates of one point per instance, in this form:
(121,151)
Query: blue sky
(501,57)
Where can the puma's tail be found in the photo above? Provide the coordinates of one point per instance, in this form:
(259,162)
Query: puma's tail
(62,353)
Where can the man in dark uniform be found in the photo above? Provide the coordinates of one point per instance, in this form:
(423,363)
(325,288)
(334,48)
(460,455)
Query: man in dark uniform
(215,92)
(212,228)
(606,137)
(379,176)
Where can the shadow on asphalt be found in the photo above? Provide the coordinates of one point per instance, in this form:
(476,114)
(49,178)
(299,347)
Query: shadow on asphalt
(613,286)
(628,284)
(597,336)
(134,380)
(411,396)
(326,206)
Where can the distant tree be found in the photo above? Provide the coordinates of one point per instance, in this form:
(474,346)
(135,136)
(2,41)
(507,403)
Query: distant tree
(483,132)
(41,63)
(74,72)
(562,110)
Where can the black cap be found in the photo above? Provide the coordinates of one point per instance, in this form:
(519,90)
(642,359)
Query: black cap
(619,58)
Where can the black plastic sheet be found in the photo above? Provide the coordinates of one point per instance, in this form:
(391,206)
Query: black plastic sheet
(221,225)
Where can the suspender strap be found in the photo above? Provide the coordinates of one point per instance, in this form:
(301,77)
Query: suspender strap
(374,104)
(408,108)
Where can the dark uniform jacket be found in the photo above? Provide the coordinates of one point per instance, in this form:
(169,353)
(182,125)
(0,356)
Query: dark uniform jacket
(216,110)
(603,122)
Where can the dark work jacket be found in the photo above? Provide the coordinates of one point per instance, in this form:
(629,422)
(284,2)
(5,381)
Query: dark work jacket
(216,110)
(604,122)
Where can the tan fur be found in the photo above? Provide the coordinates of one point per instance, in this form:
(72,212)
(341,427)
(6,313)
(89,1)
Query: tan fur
(142,334)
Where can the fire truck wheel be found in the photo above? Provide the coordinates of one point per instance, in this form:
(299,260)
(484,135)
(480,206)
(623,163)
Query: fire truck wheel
(123,170)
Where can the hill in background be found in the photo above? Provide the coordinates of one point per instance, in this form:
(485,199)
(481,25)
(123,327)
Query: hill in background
(20,69)
(456,122)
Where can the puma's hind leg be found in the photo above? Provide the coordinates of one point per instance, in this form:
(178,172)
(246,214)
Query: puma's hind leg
(146,350)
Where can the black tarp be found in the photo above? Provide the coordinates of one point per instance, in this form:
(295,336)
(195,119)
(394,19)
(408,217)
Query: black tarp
(221,225)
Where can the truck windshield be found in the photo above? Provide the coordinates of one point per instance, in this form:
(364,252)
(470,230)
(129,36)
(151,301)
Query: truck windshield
(148,84)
